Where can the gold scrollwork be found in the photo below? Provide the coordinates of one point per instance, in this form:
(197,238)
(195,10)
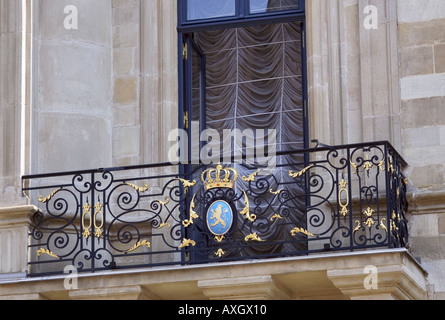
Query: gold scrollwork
(254,237)
(164,203)
(383,225)
(219,238)
(193,214)
(220,253)
(276,192)
(246,211)
(187,243)
(250,178)
(276,216)
(344,206)
(357,228)
(46,251)
(137,188)
(45,200)
(140,244)
(299,174)
(187,183)
(164,224)
(87,212)
(370,220)
(295,231)
(98,228)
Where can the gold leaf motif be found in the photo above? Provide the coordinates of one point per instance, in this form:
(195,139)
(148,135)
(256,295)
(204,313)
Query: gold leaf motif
(254,237)
(193,214)
(187,183)
(45,200)
(276,192)
(344,206)
(140,244)
(220,253)
(246,211)
(187,243)
(219,238)
(276,216)
(299,174)
(357,228)
(46,251)
(164,203)
(137,188)
(250,178)
(295,231)
(383,225)
(164,224)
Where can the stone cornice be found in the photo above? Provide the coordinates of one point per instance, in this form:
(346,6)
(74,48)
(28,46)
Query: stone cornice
(431,202)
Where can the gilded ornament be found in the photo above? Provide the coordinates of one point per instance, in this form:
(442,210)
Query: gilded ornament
(276,216)
(344,206)
(246,211)
(45,200)
(193,214)
(276,192)
(295,231)
(250,178)
(254,237)
(220,253)
(299,174)
(137,188)
(87,212)
(46,251)
(140,244)
(219,177)
(187,243)
(186,183)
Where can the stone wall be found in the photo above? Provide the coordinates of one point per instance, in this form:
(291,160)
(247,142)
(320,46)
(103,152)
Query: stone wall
(422,83)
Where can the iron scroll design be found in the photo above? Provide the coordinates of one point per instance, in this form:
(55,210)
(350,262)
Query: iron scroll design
(325,199)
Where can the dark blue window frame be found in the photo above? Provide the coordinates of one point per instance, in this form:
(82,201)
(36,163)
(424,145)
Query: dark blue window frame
(241,18)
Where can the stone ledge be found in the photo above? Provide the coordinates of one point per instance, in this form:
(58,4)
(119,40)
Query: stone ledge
(332,276)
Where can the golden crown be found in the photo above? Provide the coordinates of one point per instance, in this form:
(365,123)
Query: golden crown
(219,177)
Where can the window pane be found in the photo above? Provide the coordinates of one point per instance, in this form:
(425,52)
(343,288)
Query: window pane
(208,9)
(263,6)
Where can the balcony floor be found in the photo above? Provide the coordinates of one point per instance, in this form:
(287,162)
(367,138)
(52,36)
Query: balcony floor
(333,276)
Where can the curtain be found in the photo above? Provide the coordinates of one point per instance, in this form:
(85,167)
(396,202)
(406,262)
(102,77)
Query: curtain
(254,81)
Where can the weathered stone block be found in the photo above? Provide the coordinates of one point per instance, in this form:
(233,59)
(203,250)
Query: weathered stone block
(439,58)
(417,60)
(125,91)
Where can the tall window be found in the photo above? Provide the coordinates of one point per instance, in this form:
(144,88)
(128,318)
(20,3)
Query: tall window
(243,68)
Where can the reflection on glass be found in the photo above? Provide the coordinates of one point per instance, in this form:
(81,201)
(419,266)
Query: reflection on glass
(208,9)
(263,6)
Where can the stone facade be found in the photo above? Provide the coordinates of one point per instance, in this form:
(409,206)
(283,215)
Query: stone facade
(106,94)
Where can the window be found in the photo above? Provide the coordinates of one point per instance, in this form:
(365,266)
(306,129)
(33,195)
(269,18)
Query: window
(243,67)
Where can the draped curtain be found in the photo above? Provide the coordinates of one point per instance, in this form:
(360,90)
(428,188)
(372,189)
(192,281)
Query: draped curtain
(254,81)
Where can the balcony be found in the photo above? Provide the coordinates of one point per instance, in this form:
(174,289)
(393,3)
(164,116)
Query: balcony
(321,200)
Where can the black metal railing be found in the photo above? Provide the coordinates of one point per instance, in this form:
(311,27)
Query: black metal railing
(323,199)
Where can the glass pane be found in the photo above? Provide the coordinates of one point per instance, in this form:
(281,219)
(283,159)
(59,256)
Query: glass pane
(208,9)
(263,6)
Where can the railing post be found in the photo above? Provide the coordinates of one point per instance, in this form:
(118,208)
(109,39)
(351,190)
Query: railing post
(14,230)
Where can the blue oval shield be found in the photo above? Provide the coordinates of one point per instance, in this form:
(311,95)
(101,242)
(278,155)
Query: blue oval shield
(219,218)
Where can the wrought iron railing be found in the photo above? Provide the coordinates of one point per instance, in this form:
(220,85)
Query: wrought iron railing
(323,199)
